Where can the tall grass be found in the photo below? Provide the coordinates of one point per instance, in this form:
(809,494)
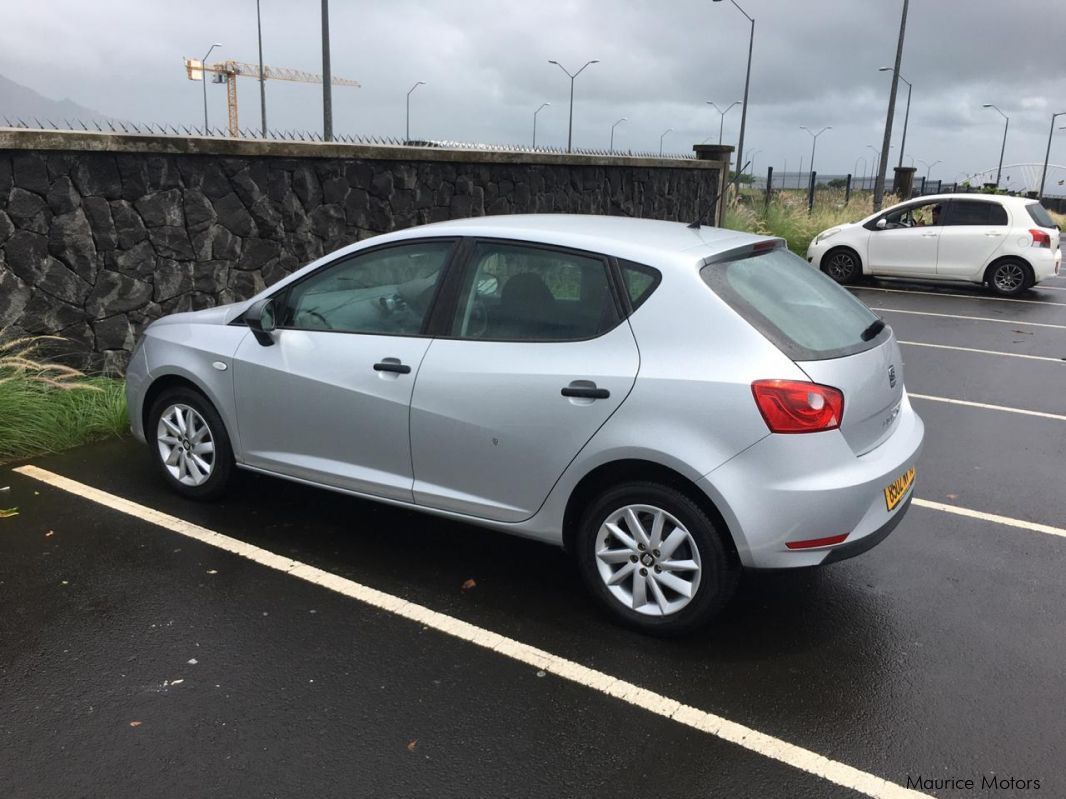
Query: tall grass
(787,216)
(47,407)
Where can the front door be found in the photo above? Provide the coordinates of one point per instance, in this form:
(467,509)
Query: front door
(537,358)
(330,400)
(907,245)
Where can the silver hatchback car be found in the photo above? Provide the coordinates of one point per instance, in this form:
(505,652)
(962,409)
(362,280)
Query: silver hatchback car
(670,403)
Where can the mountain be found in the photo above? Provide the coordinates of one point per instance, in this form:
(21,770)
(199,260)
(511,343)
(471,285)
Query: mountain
(18,101)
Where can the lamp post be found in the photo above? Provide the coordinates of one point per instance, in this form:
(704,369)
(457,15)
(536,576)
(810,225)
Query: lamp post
(721,116)
(882,167)
(542,107)
(1047,155)
(407,137)
(855,169)
(928,167)
(615,125)
(814,139)
(327,80)
(747,83)
(906,116)
(668,130)
(752,159)
(570,128)
(262,77)
(878,153)
(204,65)
(999,170)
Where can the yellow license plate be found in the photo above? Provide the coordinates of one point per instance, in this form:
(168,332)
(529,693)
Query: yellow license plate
(897,489)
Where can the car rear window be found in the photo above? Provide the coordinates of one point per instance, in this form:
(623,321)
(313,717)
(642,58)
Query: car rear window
(1039,215)
(640,281)
(802,311)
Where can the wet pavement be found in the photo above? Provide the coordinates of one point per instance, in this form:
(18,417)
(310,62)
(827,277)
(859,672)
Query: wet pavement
(939,653)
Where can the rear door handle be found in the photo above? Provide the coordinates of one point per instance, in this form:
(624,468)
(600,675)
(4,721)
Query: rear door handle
(586,391)
(993,233)
(392,365)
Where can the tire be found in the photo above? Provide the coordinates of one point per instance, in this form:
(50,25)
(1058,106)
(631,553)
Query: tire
(181,453)
(666,611)
(1009,277)
(843,265)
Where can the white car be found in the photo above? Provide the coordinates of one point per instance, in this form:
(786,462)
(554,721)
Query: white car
(1006,243)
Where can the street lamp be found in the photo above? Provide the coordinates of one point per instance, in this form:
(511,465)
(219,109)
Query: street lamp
(668,130)
(721,116)
(928,167)
(882,166)
(814,140)
(855,169)
(570,128)
(407,137)
(878,152)
(906,116)
(542,107)
(204,65)
(615,125)
(262,75)
(752,159)
(1047,155)
(747,83)
(1003,147)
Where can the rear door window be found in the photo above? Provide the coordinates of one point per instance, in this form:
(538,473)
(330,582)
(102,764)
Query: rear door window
(975,212)
(802,311)
(640,281)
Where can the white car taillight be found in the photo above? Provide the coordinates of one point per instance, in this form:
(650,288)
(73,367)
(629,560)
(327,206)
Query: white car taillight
(1040,238)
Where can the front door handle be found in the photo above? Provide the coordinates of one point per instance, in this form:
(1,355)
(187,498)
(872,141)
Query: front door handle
(392,365)
(930,235)
(585,390)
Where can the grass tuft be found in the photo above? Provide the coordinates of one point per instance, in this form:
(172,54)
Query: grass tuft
(786,215)
(47,407)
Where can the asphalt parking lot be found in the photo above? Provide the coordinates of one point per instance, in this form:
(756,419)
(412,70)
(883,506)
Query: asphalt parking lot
(175,655)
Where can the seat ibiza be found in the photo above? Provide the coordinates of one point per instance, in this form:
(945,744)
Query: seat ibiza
(670,403)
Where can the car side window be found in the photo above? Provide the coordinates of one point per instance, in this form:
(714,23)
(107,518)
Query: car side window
(640,281)
(517,292)
(387,291)
(975,212)
(913,216)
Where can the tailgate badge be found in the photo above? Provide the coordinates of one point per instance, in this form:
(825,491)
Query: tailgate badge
(891,376)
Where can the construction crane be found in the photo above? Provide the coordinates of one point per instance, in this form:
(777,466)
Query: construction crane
(228,71)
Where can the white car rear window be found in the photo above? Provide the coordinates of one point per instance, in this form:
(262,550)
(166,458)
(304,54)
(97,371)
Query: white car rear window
(805,313)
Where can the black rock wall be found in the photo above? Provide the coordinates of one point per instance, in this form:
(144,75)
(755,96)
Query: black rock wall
(95,245)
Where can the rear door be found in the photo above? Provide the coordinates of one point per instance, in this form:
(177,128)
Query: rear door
(972,231)
(535,358)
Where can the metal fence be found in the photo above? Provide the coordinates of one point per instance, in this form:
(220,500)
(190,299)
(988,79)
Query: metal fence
(158,129)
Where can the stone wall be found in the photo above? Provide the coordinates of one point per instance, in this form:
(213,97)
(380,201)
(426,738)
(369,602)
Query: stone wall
(101,234)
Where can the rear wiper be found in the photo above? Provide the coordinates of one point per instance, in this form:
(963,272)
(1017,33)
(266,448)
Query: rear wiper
(875,327)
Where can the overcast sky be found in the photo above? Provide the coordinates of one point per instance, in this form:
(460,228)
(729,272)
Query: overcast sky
(485,63)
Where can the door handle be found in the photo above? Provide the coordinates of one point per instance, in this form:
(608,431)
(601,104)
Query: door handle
(392,365)
(930,235)
(586,391)
(993,234)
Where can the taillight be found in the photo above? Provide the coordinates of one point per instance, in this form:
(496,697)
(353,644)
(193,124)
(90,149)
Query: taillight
(791,406)
(1040,238)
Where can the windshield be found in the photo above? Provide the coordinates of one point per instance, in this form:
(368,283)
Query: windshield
(805,313)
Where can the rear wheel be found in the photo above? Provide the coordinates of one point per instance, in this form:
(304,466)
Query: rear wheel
(654,560)
(842,265)
(189,444)
(1009,277)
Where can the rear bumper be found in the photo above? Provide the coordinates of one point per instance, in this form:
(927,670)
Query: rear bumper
(803,487)
(1045,263)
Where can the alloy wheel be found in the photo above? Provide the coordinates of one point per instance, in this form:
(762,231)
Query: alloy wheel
(1008,278)
(840,267)
(186,445)
(648,560)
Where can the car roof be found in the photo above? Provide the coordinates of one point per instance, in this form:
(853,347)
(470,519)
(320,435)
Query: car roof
(972,195)
(643,240)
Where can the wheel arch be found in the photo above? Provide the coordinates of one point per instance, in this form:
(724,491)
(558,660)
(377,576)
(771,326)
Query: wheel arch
(633,469)
(987,277)
(169,381)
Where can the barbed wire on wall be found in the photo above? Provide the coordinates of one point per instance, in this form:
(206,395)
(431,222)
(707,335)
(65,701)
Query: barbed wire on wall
(167,129)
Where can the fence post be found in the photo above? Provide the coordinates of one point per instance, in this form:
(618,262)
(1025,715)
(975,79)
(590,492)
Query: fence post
(810,192)
(923,187)
(847,190)
(769,184)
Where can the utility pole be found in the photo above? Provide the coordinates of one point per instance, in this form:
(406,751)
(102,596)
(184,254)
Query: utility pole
(262,77)
(327,82)
(879,182)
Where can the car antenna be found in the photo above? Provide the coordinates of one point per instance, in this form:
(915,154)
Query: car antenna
(696,225)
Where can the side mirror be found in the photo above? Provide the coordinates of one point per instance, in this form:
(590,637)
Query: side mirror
(260,318)
(881,223)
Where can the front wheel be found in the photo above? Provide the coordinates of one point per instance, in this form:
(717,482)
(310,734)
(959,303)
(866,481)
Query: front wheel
(842,265)
(1008,278)
(654,560)
(189,443)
